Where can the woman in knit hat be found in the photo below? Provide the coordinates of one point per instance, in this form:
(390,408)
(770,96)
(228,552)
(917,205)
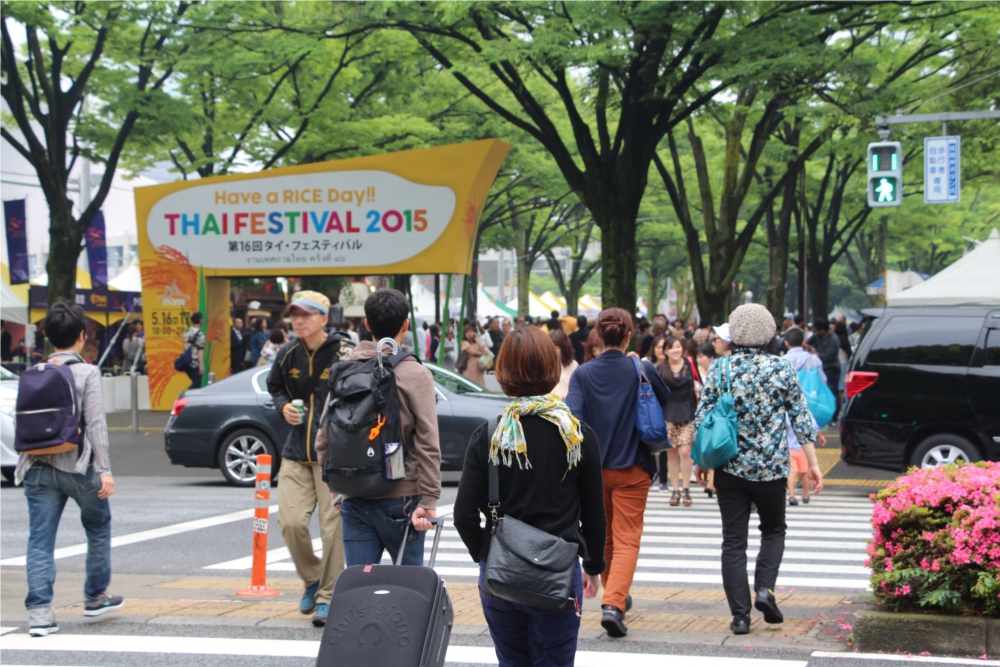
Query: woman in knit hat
(766,388)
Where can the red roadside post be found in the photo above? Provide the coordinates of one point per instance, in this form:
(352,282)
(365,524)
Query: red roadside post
(262,500)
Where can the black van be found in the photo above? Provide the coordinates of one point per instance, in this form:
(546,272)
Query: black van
(923,388)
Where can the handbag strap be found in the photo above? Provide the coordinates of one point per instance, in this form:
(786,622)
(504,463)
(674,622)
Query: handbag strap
(725,363)
(494,494)
(639,372)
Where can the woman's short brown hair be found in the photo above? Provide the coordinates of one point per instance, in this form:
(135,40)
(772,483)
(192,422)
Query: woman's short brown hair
(593,347)
(528,363)
(561,341)
(613,326)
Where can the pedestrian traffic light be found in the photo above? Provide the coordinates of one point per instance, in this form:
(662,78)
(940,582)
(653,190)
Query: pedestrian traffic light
(885,174)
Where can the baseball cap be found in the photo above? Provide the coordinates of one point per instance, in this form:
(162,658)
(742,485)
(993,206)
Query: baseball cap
(309,301)
(723,332)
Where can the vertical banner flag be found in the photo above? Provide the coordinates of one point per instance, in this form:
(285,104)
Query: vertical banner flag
(97,251)
(15,222)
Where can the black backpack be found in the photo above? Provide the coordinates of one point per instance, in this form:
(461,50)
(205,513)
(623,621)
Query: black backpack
(365,450)
(49,417)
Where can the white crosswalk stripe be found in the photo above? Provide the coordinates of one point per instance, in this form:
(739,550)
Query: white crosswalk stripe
(82,646)
(824,547)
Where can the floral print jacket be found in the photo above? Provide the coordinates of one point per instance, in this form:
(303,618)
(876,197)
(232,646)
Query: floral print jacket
(765,388)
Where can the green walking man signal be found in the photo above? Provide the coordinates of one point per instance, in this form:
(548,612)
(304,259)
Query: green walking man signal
(885,174)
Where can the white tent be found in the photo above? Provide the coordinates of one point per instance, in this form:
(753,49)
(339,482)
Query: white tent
(553,302)
(129,280)
(536,308)
(423,301)
(973,280)
(13,309)
(486,306)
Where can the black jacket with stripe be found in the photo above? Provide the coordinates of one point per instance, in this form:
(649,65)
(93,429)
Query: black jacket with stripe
(294,371)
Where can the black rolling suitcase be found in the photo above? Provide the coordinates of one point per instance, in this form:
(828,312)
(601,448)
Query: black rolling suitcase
(398,616)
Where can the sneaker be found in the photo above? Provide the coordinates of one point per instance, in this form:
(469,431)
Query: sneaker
(740,624)
(613,620)
(307,604)
(103,605)
(793,502)
(42,630)
(805,501)
(628,603)
(769,606)
(664,487)
(319,618)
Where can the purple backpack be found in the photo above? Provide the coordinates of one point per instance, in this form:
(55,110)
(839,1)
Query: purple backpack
(49,418)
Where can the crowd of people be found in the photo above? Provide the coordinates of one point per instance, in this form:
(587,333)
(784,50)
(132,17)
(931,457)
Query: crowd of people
(566,450)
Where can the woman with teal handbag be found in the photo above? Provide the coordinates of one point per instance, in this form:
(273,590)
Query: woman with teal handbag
(740,425)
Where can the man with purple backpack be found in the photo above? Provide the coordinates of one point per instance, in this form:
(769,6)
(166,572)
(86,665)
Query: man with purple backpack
(62,438)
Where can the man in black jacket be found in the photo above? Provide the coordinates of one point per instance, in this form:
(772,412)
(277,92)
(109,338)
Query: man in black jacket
(579,337)
(301,370)
(237,346)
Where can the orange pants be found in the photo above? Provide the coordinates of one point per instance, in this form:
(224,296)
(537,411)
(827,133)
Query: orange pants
(625,492)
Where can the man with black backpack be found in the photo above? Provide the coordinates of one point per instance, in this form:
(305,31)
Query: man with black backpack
(62,437)
(300,374)
(399,438)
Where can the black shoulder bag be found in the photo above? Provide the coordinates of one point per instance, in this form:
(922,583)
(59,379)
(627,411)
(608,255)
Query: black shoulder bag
(525,564)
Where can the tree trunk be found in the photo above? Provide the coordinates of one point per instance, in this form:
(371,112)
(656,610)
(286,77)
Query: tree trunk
(819,288)
(523,287)
(64,251)
(652,289)
(618,261)
(572,303)
(779,233)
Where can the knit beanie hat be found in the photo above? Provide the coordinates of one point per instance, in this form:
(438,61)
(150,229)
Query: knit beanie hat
(751,325)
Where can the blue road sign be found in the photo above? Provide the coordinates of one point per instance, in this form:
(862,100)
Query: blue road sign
(942,170)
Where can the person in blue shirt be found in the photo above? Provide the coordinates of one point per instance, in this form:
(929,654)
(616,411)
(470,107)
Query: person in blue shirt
(602,393)
(258,340)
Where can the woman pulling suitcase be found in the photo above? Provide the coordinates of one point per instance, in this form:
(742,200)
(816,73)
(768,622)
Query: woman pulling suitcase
(547,490)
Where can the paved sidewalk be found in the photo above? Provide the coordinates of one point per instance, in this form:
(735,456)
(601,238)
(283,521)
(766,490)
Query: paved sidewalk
(660,615)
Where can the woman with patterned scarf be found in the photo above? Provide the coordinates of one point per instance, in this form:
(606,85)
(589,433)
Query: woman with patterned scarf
(550,478)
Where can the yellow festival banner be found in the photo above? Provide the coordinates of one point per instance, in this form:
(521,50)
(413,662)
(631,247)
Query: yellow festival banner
(408,212)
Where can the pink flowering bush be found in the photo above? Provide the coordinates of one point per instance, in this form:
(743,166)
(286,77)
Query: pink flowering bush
(937,541)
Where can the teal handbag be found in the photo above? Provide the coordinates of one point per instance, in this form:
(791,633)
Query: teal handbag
(715,443)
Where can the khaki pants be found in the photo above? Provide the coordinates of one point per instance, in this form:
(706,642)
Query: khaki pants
(300,489)
(625,493)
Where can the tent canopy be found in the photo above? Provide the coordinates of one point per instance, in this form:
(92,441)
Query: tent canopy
(488,306)
(553,302)
(82,280)
(589,303)
(536,308)
(14,310)
(973,280)
(129,280)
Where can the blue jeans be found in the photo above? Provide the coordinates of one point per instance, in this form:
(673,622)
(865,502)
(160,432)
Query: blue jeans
(373,525)
(47,490)
(524,635)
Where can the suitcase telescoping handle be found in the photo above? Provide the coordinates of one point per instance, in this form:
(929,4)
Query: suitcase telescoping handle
(438,523)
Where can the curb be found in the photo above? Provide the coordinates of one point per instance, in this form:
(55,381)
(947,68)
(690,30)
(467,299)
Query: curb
(934,633)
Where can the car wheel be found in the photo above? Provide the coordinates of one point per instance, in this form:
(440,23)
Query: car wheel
(237,456)
(944,449)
